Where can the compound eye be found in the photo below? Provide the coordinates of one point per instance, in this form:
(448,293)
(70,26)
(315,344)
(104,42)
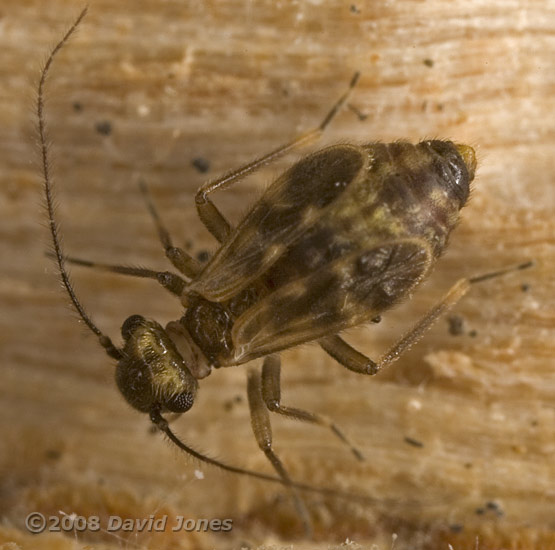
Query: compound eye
(179,403)
(130,325)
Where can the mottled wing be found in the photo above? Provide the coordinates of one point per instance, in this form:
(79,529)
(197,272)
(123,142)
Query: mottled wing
(290,205)
(345,293)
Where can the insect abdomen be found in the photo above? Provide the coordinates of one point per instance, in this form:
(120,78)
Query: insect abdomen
(366,251)
(411,191)
(406,194)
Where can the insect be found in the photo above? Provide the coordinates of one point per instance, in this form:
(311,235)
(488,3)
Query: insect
(339,238)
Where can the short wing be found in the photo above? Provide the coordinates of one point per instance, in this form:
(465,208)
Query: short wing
(347,292)
(290,205)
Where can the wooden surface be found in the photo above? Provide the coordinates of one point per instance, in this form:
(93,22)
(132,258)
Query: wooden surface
(226,81)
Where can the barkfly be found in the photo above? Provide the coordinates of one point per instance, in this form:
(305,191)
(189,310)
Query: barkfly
(342,236)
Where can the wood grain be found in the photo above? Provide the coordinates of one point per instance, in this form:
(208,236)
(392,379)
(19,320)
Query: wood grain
(142,90)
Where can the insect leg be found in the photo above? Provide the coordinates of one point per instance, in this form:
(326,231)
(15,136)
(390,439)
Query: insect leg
(348,356)
(170,281)
(182,261)
(357,362)
(260,420)
(271,393)
(211,217)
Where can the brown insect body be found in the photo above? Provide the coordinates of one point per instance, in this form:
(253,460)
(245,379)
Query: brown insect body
(340,237)
(343,235)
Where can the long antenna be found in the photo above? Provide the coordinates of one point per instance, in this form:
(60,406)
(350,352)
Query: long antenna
(162,424)
(104,340)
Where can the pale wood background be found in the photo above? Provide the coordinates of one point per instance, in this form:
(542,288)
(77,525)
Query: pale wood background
(227,80)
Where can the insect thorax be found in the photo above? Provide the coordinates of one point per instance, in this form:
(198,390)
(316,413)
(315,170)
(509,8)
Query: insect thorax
(210,324)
